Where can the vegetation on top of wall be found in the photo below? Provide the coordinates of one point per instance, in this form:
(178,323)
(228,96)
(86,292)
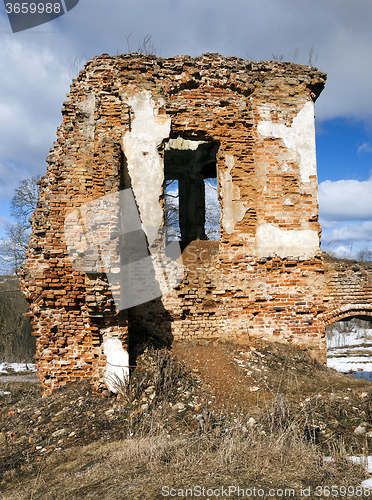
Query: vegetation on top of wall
(363,259)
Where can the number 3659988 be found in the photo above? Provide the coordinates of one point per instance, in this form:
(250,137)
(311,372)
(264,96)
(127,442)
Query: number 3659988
(33,8)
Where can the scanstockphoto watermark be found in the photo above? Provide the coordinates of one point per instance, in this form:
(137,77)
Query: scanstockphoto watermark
(25,15)
(107,236)
(226,492)
(258,492)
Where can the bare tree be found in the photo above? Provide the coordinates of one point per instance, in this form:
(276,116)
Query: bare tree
(24,200)
(364,255)
(212,211)
(13,247)
(171,210)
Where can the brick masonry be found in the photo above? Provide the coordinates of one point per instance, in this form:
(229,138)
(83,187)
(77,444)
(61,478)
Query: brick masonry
(265,277)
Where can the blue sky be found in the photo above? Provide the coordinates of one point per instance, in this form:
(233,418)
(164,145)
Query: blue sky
(37,67)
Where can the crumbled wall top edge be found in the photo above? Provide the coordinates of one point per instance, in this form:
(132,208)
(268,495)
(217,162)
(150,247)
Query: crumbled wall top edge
(234,67)
(205,58)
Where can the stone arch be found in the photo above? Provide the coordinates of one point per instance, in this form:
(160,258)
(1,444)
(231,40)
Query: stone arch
(347,340)
(347,311)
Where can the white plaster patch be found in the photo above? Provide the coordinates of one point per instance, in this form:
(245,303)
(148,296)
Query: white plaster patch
(233,210)
(299,137)
(292,243)
(145,166)
(183,144)
(87,107)
(117,364)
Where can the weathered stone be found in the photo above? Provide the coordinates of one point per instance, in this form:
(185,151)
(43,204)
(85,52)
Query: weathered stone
(360,430)
(179,407)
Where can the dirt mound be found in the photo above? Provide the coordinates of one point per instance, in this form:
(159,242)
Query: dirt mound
(255,379)
(198,394)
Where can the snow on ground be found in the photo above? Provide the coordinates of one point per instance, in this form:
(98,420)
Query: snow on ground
(16,367)
(367,484)
(359,367)
(354,338)
(6,368)
(366,462)
(349,347)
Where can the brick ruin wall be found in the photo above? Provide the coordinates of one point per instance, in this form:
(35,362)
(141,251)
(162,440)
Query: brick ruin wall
(266,276)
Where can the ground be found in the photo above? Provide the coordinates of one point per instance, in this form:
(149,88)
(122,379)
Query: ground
(202,413)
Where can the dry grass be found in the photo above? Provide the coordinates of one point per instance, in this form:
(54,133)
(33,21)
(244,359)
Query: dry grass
(138,468)
(226,451)
(20,392)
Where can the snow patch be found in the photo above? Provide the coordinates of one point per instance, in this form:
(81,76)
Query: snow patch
(17,367)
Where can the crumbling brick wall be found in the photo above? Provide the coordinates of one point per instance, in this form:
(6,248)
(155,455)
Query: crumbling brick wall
(127,121)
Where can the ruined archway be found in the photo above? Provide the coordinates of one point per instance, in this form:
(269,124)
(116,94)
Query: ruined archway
(349,341)
(349,346)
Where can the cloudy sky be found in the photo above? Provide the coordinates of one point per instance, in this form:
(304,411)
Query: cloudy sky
(335,35)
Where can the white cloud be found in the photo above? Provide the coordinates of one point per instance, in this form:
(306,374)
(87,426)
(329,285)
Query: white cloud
(10,176)
(345,200)
(343,252)
(347,240)
(365,148)
(327,224)
(349,232)
(33,84)
(339,33)
(346,216)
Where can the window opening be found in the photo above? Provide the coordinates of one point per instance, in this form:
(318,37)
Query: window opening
(212,209)
(171,209)
(190,171)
